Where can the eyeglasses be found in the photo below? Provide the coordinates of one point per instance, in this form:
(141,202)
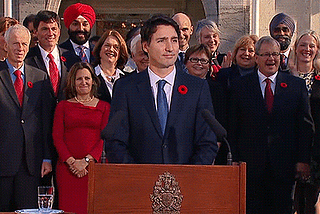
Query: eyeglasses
(266,55)
(196,60)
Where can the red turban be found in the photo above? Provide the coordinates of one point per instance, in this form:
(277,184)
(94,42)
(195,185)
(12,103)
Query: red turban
(76,10)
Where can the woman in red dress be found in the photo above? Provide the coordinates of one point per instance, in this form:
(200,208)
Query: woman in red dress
(77,127)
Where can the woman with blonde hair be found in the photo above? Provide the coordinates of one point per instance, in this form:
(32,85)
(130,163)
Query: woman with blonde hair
(304,63)
(243,60)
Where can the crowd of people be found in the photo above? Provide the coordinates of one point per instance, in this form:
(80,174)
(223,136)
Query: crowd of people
(153,87)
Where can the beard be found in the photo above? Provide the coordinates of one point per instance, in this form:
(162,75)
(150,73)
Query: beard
(73,36)
(283,44)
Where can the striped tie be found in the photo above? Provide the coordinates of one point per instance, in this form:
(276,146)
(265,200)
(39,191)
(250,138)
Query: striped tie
(82,54)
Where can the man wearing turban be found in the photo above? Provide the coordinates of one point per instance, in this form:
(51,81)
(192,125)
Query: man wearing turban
(281,29)
(79,19)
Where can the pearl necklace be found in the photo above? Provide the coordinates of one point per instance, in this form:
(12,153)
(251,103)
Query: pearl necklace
(84,101)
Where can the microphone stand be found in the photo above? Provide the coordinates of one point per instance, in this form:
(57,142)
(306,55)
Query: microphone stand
(229,156)
(103,155)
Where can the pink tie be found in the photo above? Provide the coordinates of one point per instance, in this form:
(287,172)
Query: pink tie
(269,95)
(54,74)
(18,86)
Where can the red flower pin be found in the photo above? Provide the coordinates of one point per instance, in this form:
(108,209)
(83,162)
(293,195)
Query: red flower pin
(317,77)
(183,89)
(30,84)
(283,85)
(63,58)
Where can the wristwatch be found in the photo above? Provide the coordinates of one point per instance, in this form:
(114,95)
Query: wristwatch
(87,159)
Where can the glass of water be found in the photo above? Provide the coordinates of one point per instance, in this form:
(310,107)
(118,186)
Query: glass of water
(45,197)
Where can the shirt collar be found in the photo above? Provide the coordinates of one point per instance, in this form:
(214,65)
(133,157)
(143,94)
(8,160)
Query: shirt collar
(287,52)
(75,46)
(154,78)
(54,52)
(262,77)
(13,69)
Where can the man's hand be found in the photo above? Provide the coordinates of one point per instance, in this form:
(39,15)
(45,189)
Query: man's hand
(46,168)
(303,171)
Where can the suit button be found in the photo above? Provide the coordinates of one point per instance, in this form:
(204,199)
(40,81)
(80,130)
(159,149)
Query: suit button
(22,121)
(165,146)
(57,101)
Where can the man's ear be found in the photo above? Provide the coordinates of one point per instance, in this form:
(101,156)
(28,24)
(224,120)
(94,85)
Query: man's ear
(191,29)
(5,46)
(145,47)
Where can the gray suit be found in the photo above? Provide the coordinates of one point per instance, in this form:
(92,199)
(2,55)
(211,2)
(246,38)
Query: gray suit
(24,136)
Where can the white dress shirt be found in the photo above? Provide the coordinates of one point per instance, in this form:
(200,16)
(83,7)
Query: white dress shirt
(56,57)
(168,87)
(263,83)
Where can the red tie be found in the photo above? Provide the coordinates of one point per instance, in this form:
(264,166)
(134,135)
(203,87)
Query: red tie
(268,95)
(18,86)
(54,74)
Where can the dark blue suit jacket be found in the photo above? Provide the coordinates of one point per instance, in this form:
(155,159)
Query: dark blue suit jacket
(138,139)
(71,56)
(280,139)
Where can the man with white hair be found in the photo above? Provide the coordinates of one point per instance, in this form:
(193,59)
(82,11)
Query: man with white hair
(24,124)
(139,57)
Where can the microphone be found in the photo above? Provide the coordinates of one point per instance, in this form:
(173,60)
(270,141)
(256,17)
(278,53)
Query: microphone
(218,129)
(110,129)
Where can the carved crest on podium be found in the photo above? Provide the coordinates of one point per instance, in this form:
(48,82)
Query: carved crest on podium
(166,197)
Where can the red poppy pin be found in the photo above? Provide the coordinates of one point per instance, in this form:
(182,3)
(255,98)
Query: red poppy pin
(183,89)
(317,77)
(63,58)
(283,85)
(30,84)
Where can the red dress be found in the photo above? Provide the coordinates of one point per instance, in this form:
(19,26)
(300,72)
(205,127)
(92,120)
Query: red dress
(76,132)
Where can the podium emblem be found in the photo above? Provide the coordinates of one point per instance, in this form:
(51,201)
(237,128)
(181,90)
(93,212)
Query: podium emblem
(166,197)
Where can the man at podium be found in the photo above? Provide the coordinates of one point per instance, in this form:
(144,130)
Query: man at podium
(156,114)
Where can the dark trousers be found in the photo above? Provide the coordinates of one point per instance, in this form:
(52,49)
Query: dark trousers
(19,191)
(268,193)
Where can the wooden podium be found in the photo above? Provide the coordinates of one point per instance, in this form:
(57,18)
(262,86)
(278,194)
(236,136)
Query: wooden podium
(130,188)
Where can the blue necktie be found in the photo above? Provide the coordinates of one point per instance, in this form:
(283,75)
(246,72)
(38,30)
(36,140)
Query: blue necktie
(82,54)
(162,105)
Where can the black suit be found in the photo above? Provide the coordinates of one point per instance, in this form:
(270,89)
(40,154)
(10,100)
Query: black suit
(71,55)
(25,136)
(139,139)
(271,144)
(103,91)
(34,58)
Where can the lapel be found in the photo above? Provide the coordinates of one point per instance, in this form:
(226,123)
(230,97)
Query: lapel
(7,82)
(103,90)
(31,94)
(64,72)
(39,60)
(145,93)
(177,99)
(280,91)
(255,89)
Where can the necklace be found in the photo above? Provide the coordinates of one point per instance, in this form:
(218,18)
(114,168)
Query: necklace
(84,101)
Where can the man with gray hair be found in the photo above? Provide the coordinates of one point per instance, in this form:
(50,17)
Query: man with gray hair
(270,128)
(281,29)
(24,124)
(139,57)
